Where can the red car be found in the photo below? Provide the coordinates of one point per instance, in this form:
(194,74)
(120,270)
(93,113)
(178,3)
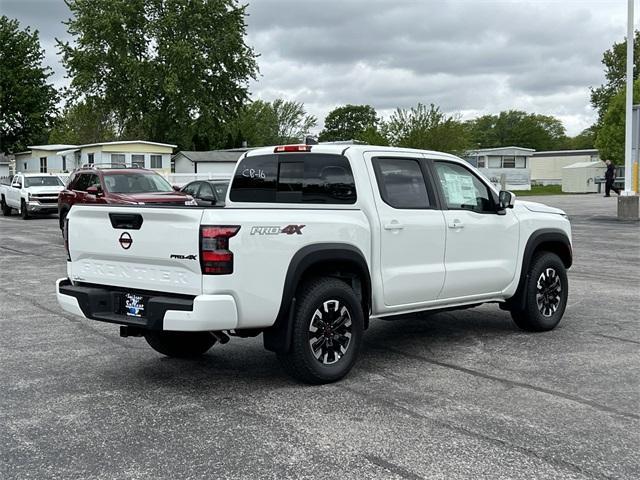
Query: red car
(129,186)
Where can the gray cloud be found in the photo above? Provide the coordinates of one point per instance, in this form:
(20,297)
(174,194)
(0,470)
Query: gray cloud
(467,56)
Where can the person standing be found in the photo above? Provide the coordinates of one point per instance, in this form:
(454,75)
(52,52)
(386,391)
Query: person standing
(609,178)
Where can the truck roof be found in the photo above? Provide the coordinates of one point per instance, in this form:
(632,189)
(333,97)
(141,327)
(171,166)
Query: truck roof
(339,149)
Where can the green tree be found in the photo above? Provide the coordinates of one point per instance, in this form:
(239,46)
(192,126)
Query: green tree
(514,127)
(261,123)
(584,140)
(163,70)
(615,73)
(27,101)
(292,120)
(348,122)
(610,139)
(426,128)
(82,123)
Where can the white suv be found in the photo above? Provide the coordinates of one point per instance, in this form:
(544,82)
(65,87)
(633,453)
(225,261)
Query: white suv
(312,244)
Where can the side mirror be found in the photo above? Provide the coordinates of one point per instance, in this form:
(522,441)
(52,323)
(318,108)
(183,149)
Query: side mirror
(506,199)
(94,190)
(17,185)
(176,188)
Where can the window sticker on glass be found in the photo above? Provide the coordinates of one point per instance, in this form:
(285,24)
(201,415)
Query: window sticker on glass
(459,189)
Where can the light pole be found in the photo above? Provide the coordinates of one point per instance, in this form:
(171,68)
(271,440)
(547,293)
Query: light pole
(628,201)
(628,132)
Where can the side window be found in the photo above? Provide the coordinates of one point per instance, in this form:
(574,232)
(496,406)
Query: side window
(191,188)
(94,180)
(137,161)
(81,182)
(401,183)
(206,192)
(156,161)
(462,189)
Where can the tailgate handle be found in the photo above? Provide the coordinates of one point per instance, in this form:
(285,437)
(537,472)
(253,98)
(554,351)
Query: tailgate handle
(126,221)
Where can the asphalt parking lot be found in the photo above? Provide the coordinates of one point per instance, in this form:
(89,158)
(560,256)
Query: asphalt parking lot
(453,395)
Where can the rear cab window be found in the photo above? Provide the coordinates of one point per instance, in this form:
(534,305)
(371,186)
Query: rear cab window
(306,178)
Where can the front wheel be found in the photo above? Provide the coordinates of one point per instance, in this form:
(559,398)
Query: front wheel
(180,344)
(546,293)
(24,213)
(327,332)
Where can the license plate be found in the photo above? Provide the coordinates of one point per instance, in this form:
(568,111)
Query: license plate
(133,305)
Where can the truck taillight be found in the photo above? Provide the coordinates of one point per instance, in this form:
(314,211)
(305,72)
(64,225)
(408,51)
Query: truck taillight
(215,256)
(65,235)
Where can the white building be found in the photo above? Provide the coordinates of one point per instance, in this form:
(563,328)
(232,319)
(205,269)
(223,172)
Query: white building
(512,162)
(133,153)
(42,159)
(4,168)
(546,166)
(215,162)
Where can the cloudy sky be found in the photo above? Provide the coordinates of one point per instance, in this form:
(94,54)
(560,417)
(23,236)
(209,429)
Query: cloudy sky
(467,56)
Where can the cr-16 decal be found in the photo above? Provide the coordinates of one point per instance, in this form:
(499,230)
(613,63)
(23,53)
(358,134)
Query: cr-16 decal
(274,230)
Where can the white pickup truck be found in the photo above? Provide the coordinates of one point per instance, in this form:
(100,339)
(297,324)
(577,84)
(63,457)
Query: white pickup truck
(30,193)
(314,242)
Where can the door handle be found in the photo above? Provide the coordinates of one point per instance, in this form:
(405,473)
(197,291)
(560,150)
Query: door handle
(393,225)
(456,224)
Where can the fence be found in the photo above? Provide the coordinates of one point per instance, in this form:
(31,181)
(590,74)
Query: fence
(184,178)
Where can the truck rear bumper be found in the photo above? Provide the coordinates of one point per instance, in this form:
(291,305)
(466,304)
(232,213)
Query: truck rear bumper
(162,312)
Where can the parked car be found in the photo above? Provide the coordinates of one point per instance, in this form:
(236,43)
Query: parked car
(30,193)
(207,192)
(95,184)
(314,243)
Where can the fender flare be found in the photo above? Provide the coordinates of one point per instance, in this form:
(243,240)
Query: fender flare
(552,236)
(277,338)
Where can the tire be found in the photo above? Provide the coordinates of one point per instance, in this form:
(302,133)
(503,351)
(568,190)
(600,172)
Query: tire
(180,344)
(6,209)
(24,213)
(546,293)
(338,346)
(62,215)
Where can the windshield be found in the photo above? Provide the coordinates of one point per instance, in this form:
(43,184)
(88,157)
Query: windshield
(48,181)
(136,182)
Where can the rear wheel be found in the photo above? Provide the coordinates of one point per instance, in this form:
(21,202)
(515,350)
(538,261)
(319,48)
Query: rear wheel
(6,209)
(327,332)
(546,293)
(180,344)
(24,213)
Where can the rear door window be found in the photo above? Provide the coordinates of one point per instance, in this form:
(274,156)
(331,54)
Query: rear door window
(312,178)
(401,183)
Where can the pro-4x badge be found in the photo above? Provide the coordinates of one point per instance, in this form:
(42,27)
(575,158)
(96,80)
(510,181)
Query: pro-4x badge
(276,230)
(183,257)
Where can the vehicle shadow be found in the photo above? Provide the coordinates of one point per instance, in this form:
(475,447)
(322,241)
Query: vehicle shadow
(243,363)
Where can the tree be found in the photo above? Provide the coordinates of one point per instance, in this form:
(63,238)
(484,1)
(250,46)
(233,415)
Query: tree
(164,70)
(514,127)
(585,139)
(263,123)
(292,120)
(348,122)
(610,139)
(27,101)
(82,123)
(426,128)
(615,73)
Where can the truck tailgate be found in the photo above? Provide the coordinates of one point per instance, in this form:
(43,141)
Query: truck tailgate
(136,247)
